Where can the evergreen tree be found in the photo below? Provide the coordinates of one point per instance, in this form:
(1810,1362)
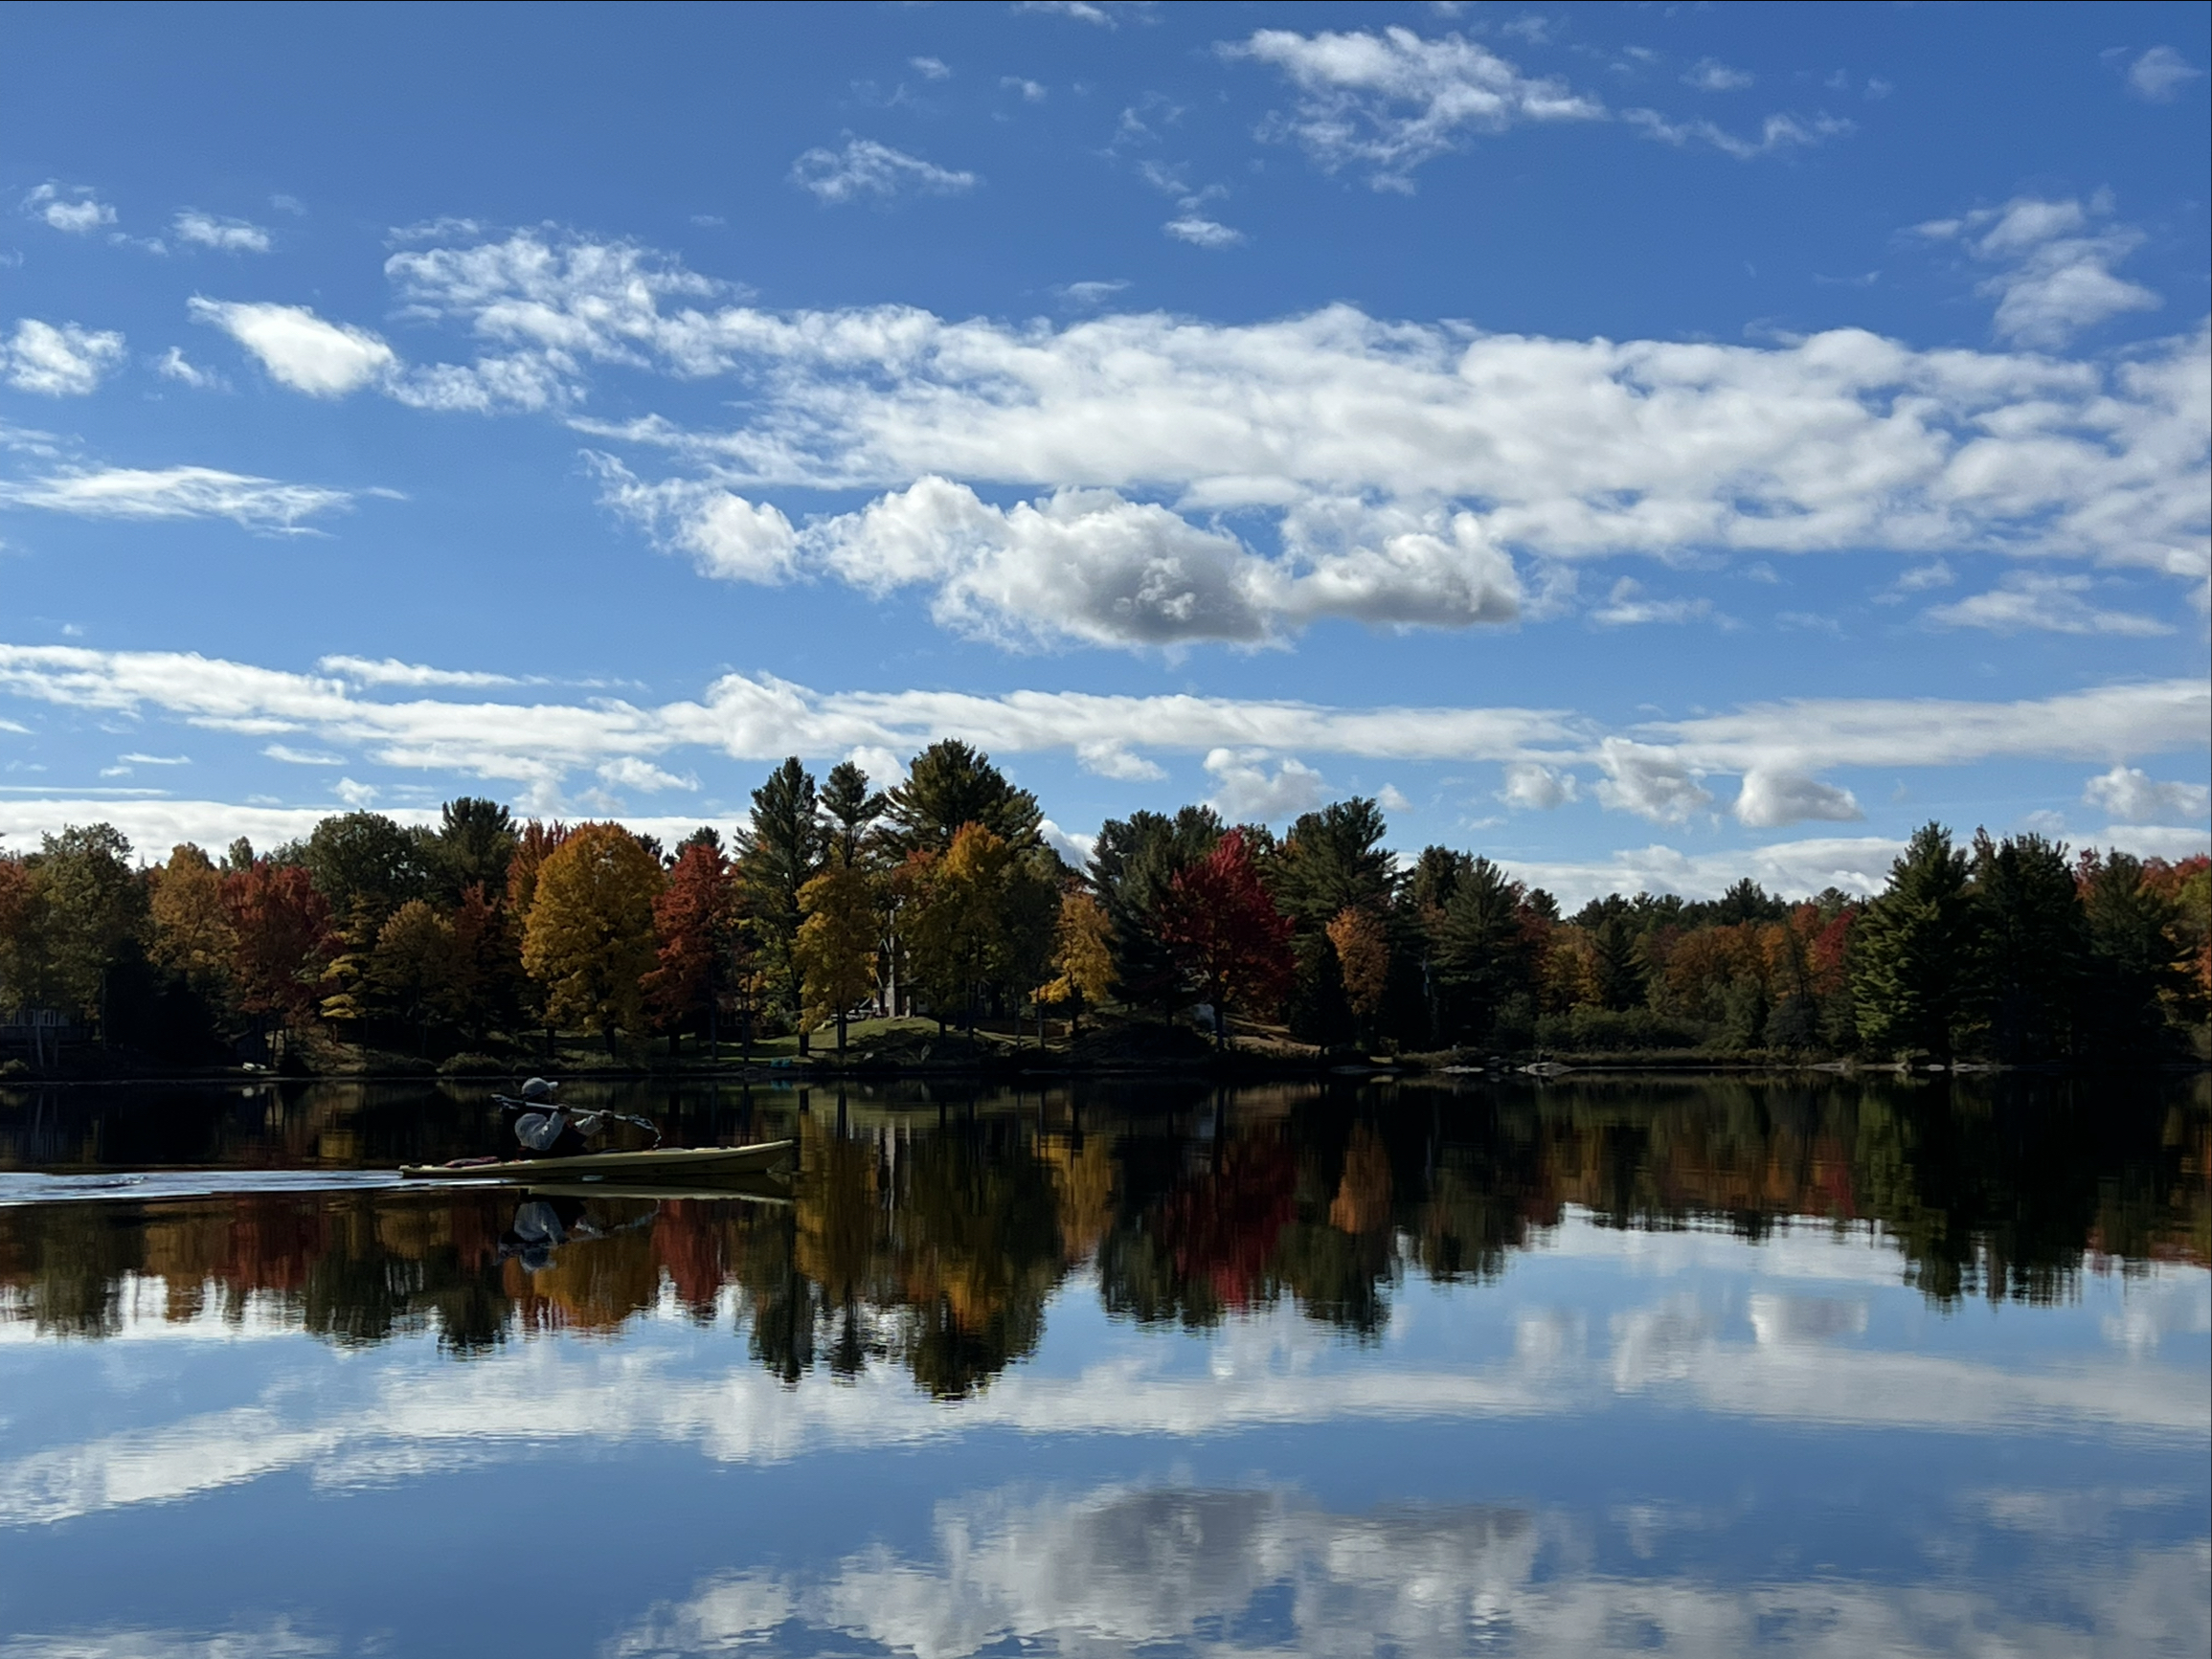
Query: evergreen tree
(949,785)
(367,866)
(850,808)
(1912,973)
(2034,947)
(1133,869)
(783,855)
(1482,953)
(476,840)
(2134,957)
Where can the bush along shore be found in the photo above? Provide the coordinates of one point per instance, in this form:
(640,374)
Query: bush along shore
(933,928)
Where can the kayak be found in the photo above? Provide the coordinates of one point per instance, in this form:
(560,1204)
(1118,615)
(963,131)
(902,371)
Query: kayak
(658,1163)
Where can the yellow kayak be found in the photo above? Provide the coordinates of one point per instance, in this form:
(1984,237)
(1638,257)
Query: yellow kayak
(658,1164)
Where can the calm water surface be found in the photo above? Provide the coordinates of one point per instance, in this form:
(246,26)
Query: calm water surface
(1707,1368)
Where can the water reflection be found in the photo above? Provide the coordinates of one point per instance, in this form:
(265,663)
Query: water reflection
(932,1240)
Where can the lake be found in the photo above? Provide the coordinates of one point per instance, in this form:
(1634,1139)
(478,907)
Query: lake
(1703,1366)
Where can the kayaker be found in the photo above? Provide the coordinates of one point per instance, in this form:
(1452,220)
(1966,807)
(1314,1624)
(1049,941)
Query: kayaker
(549,1132)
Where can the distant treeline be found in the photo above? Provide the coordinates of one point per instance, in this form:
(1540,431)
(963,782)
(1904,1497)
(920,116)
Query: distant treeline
(941,897)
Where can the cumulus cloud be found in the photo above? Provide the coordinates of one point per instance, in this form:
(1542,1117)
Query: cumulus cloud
(1652,782)
(2055,259)
(2160,74)
(865,167)
(70,208)
(1244,792)
(229,236)
(1770,799)
(2050,604)
(1573,449)
(1091,565)
(1394,101)
(298,349)
(2134,797)
(64,360)
(1533,786)
(178,492)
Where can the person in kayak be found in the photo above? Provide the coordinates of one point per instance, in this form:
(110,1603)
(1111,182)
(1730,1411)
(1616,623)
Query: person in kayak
(545,1129)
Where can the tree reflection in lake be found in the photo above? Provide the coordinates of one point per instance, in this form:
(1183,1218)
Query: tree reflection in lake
(931,1240)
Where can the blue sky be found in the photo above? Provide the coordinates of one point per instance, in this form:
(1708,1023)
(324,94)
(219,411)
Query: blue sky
(1643,444)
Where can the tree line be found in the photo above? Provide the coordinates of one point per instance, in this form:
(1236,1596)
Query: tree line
(941,896)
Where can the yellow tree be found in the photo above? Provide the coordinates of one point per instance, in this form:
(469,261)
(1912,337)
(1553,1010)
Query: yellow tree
(192,934)
(836,945)
(1083,951)
(960,928)
(589,937)
(1364,955)
(412,969)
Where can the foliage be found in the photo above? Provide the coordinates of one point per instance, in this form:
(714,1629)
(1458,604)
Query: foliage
(837,944)
(589,936)
(1226,935)
(949,786)
(192,930)
(1911,970)
(698,935)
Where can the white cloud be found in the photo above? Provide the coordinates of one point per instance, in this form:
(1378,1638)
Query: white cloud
(1539,788)
(64,361)
(1627,607)
(230,235)
(1093,566)
(1778,132)
(1575,449)
(298,349)
(1201,232)
(2160,74)
(1651,782)
(1089,294)
(71,208)
(1923,577)
(931,67)
(1394,100)
(1770,799)
(2133,795)
(1655,772)
(292,756)
(885,767)
(1031,91)
(1710,75)
(630,773)
(1243,792)
(390,671)
(173,365)
(2049,604)
(1099,12)
(2056,266)
(356,795)
(1392,798)
(177,492)
(865,167)
(1114,760)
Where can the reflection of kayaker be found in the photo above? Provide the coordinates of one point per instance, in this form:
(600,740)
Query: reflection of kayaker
(540,1227)
(545,1222)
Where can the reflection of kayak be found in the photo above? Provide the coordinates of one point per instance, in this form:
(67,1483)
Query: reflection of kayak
(750,1189)
(659,1164)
